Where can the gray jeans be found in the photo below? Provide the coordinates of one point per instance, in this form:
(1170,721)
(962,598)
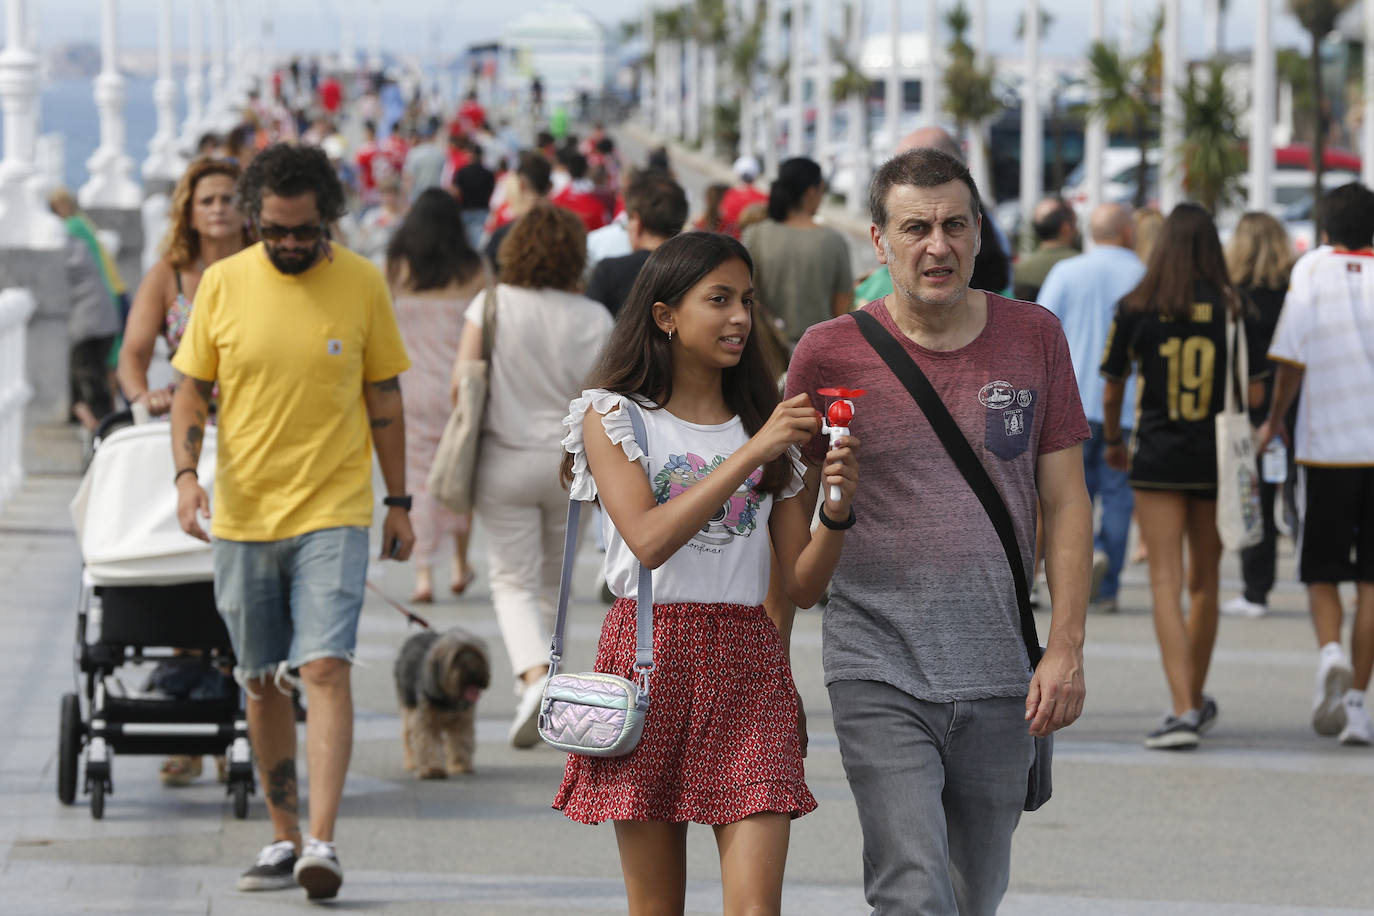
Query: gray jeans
(939,787)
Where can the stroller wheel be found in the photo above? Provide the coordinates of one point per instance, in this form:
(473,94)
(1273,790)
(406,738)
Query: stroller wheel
(97,799)
(240,792)
(68,748)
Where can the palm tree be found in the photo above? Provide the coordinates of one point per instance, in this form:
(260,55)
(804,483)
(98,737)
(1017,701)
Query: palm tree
(1318,17)
(969,95)
(1212,158)
(1122,99)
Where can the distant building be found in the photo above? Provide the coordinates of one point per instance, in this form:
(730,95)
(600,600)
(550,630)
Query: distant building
(562,44)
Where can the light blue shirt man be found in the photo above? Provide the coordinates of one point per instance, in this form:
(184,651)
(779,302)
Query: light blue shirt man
(1083,292)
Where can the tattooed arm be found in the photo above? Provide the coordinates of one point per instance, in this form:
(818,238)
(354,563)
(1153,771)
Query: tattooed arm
(389,435)
(190,410)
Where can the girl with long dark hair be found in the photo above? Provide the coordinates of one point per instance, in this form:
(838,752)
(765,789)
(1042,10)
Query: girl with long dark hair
(1172,329)
(722,742)
(433,273)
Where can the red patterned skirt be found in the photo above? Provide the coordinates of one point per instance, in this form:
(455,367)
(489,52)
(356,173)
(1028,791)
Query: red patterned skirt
(720,741)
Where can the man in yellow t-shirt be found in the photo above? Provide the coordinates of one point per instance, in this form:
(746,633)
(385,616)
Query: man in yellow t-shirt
(302,341)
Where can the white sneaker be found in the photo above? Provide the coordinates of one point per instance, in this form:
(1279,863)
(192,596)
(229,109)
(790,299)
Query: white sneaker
(1333,680)
(1239,607)
(1358,729)
(524,730)
(318,870)
(1100,564)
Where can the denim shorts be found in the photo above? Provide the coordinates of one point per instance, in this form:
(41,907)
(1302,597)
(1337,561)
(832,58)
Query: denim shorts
(289,602)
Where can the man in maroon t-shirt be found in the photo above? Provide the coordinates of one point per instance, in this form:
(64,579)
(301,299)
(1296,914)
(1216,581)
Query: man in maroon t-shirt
(934,701)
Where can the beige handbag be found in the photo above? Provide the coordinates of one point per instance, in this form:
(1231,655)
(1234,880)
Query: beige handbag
(451,477)
(1239,521)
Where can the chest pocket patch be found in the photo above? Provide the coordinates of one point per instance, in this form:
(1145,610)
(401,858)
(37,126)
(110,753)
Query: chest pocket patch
(1008,429)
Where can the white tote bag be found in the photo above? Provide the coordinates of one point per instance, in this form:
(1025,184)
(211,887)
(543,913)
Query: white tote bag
(1238,502)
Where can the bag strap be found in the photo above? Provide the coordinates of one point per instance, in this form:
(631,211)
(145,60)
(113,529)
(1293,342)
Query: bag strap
(489,320)
(952,438)
(1237,365)
(644,611)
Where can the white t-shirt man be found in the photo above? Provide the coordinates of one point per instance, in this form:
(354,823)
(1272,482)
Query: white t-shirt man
(1327,329)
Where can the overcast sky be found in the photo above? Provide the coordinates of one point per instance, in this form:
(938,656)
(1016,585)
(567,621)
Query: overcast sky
(408,25)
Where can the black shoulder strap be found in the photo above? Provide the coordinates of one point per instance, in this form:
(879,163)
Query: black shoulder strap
(954,441)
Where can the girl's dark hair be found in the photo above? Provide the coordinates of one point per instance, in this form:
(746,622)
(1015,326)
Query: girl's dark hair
(638,359)
(286,170)
(430,246)
(1188,251)
(795,178)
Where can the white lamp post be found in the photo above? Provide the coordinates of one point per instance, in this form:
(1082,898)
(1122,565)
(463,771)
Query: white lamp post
(1262,107)
(164,162)
(109,166)
(195,70)
(978,143)
(25,221)
(1171,109)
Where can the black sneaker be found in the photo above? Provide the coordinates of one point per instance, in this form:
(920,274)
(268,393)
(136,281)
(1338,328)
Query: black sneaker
(1207,715)
(318,869)
(1175,733)
(273,869)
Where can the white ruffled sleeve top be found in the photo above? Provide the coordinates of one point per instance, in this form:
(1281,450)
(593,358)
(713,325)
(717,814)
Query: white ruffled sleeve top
(727,561)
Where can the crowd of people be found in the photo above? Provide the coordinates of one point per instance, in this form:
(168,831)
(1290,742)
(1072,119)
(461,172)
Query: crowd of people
(314,338)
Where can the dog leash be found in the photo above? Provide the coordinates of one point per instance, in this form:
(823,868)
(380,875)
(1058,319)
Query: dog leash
(410,615)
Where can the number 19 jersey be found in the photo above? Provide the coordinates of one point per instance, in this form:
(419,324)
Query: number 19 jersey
(1182,365)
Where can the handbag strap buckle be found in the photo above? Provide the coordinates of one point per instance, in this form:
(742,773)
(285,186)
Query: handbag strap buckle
(642,684)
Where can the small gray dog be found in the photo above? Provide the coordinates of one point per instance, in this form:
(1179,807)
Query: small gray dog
(439,677)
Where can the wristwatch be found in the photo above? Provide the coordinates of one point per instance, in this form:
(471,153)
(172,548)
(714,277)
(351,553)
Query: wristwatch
(397,502)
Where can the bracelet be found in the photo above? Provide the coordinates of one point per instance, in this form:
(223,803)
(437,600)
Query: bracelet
(1117,441)
(833,525)
(178,474)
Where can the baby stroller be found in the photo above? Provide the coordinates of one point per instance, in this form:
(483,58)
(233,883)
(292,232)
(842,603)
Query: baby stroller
(147,592)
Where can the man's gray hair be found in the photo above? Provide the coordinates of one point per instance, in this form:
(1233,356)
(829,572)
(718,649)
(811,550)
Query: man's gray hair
(918,168)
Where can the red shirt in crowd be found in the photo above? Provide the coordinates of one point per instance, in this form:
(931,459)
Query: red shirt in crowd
(735,201)
(331,95)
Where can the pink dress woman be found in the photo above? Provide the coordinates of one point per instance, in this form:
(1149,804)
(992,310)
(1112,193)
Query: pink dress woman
(431,326)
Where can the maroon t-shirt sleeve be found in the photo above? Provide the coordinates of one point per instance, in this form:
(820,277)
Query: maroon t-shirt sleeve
(804,375)
(1065,423)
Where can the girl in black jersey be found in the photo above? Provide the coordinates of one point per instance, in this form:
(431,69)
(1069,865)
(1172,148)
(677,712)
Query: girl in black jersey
(1173,328)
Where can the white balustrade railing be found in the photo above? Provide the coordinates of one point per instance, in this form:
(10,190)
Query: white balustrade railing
(16,305)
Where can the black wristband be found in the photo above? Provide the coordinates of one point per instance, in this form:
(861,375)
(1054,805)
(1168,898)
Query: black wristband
(1117,441)
(833,525)
(177,475)
(397,502)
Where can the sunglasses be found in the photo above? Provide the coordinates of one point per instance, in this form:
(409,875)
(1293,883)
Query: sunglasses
(307,232)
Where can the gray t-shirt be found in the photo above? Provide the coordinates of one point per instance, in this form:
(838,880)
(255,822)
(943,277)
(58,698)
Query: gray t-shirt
(93,312)
(798,272)
(923,598)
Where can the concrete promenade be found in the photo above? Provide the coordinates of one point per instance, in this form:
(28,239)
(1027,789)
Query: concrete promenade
(1265,818)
